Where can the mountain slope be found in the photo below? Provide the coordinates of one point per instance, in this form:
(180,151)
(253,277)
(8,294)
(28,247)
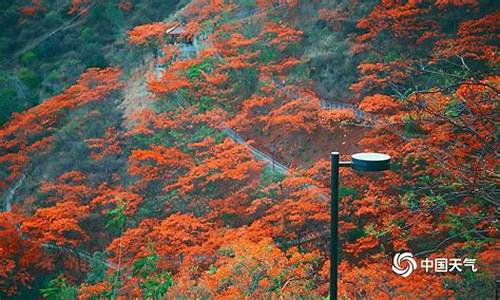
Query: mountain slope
(201,170)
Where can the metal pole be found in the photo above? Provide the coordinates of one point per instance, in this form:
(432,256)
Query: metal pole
(334,217)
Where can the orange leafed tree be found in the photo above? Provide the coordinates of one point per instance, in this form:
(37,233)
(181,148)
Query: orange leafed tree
(158,163)
(379,282)
(35,7)
(21,260)
(79,6)
(229,162)
(379,103)
(110,198)
(401,20)
(107,145)
(58,224)
(172,239)
(70,186)
(142,34)
(288,273)
(475,40)
(31,130)
(225,173)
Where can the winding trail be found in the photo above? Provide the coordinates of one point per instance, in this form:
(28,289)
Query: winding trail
(9,195)
(82,254)
(258,154)
(331,104)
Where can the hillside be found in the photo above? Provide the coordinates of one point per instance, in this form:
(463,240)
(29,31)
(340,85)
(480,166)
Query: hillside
(46,45)
(182,149)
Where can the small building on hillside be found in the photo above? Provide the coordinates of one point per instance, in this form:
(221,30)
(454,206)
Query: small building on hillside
(179,34)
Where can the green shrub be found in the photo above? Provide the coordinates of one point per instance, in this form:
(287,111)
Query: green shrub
(29,58)
(59,289)
(28,77)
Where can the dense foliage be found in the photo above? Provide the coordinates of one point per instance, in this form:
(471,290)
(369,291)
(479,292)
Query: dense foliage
(45,45)
(157,184)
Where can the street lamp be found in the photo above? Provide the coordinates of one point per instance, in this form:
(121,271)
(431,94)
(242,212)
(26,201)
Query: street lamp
(368,162)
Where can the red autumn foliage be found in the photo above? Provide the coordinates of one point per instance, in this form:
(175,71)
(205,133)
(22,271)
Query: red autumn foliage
(335,18)
(375,76)
(198,197)
(79,6)
(402,20)
(280,34)
(379,103)
(169,52)
(30,130)
(475,40)
(143,34)
(35,7)
(20,259)
(58,224)
(110,198)
(158,163)
(107,145)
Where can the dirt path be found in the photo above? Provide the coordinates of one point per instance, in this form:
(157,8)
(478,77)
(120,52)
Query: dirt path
(9,195)
(136,94)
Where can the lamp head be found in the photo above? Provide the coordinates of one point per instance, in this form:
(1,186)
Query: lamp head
(371,162)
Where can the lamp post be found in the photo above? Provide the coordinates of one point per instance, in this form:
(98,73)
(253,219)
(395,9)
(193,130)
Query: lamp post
(368,162)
